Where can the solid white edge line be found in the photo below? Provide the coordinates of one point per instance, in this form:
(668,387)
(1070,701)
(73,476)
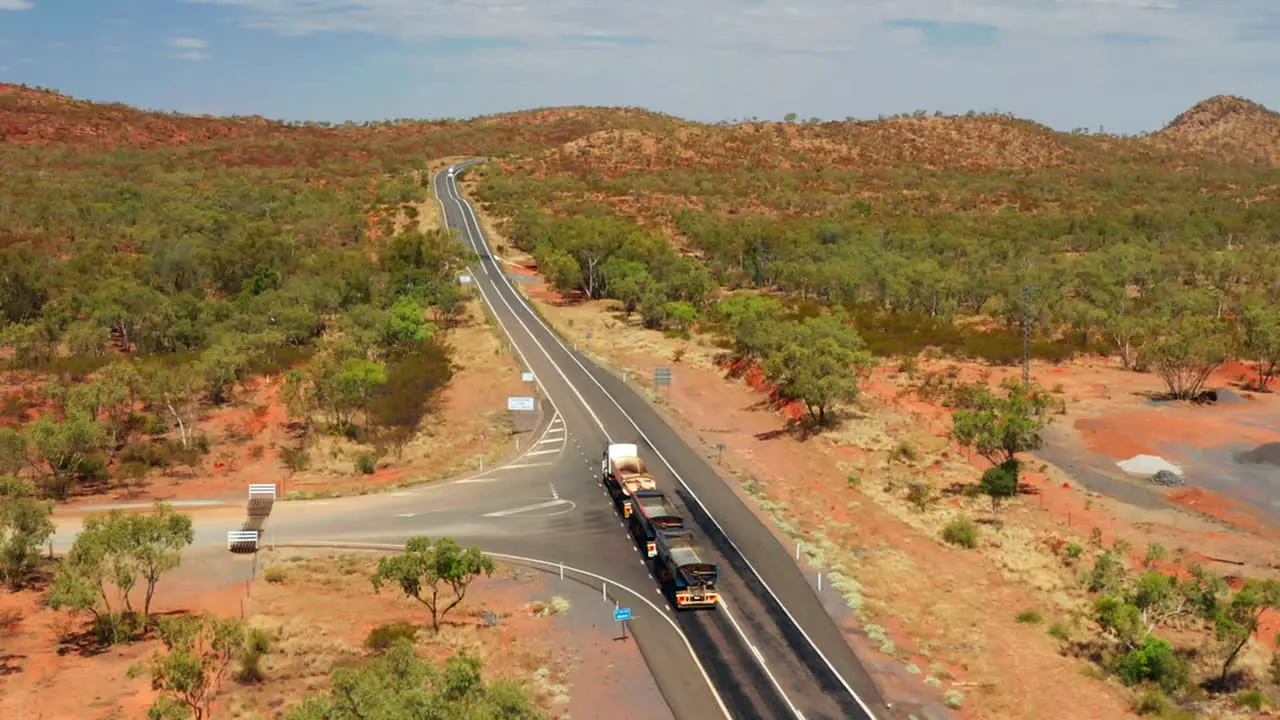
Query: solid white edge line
(462,204)
(444,220)
(759,659)
(552,566)
(520,299)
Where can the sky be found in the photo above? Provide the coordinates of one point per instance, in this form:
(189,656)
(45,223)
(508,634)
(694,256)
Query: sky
(1124,66)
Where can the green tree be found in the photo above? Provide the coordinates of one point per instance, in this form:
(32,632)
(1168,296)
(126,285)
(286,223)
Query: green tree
(24,528)
(816,362)
(1187,353)
(65,445)
(1002,426)
(130,308)
(436,575)
(299,396)
(1000,483)
(117,550)
(1237,620)
(1153,660)
(174,390)
(222,366)
(753,321)
(13,452)
(398,684)
(414,380)
(154,542)
(407,325)
(680,314)
(198,651)
(1260,323)
(360,379)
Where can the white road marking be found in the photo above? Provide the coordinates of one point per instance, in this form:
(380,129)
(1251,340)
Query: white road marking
(542,452)
(522,465)
(405,515)
(468,481)
(549,440)
(527,508)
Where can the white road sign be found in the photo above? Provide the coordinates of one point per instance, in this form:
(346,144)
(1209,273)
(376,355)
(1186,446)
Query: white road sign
(520,403)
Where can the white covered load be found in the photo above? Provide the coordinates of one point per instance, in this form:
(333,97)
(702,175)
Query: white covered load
(623,473)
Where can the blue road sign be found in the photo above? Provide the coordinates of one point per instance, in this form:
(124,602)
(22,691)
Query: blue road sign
(622,614)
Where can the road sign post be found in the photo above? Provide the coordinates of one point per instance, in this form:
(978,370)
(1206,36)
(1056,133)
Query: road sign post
(622,615)
(662,378)
(520,404)
(720,450)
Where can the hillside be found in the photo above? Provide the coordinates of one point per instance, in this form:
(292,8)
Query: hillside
(915,216)
(1227,125)
(44,117)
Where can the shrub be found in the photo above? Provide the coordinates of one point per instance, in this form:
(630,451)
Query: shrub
(155,425)
(1252,699)
(1153,660)
(274,575)
(1059,631)
(854,481)
(366,463)
(904,451)
(1153,702)
(256,645)
(1073,552)
(961,531)
(1029,616)
(384,636)
(920,495)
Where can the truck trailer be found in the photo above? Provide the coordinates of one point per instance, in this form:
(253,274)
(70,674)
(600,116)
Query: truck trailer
(684,571)
(652,511)
(624,473)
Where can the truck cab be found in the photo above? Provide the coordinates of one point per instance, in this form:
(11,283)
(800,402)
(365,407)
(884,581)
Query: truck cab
(623,473)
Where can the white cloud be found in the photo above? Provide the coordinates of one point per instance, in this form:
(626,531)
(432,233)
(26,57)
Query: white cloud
(188,43)
(16,4)
(722,58)
(190,49)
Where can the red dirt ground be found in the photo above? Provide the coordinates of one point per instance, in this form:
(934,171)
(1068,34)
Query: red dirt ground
(39,684)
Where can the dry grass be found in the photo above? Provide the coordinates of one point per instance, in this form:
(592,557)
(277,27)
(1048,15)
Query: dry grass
(319,615)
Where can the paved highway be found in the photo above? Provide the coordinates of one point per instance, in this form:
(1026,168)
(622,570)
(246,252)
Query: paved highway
(770,613)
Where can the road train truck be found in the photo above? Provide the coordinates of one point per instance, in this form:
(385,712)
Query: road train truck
(624,473)
(683,570)
(651,511)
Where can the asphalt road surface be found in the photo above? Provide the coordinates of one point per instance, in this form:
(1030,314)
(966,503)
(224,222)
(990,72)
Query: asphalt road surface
(770,651)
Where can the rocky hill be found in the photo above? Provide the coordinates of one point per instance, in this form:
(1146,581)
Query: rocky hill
(1226,125)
